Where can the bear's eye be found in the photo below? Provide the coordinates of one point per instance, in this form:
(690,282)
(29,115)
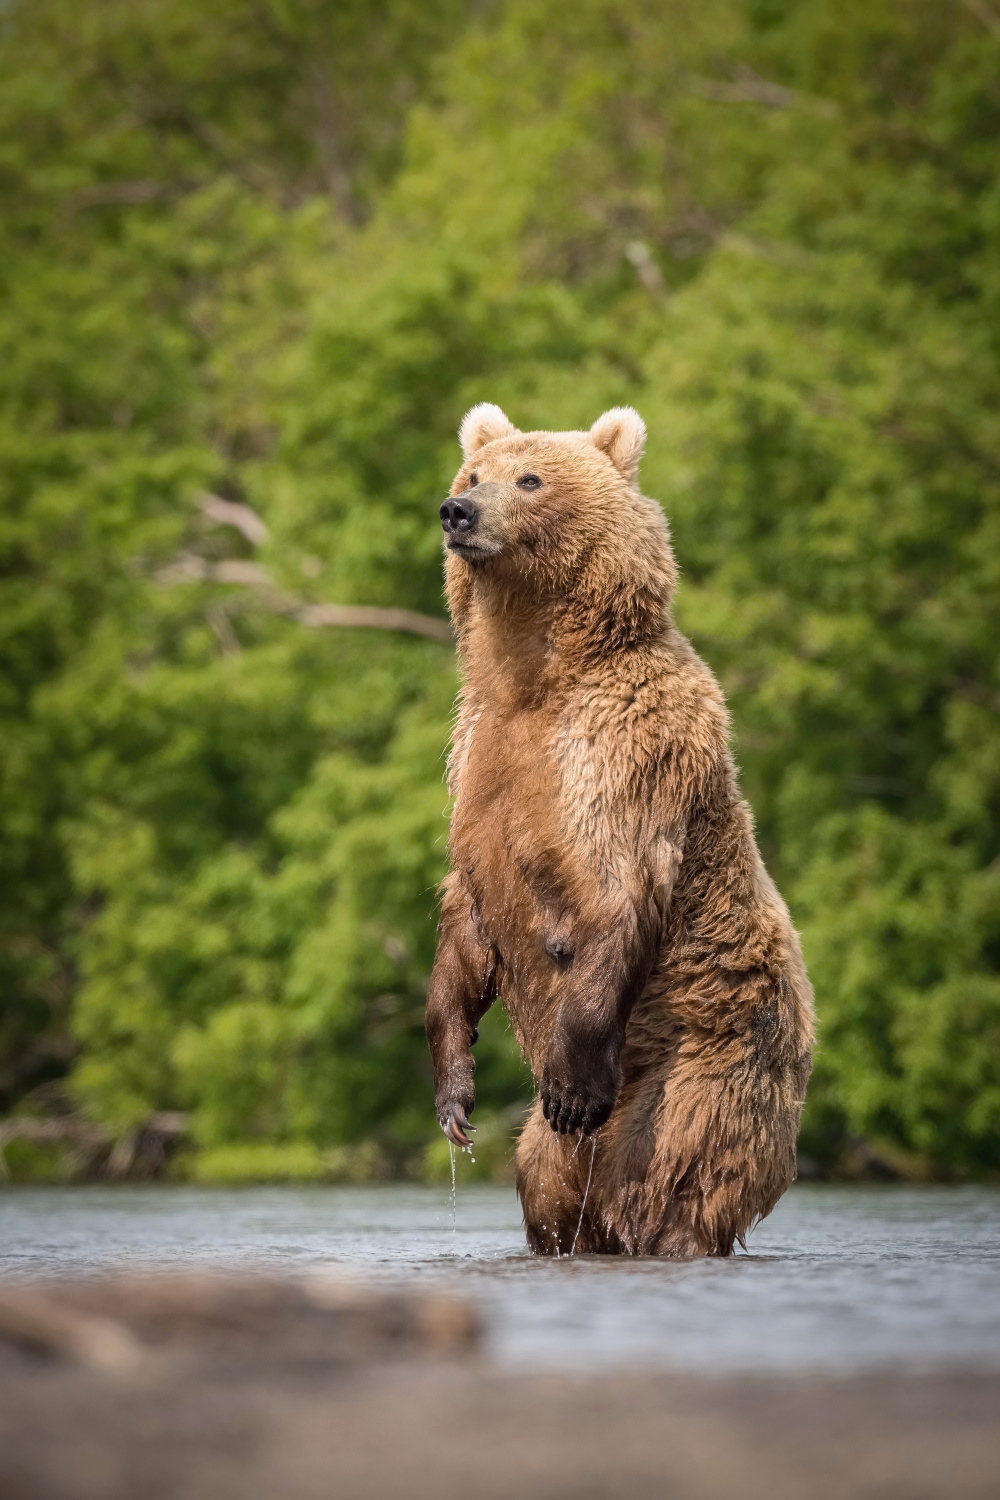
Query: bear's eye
(473,480)
(529,482)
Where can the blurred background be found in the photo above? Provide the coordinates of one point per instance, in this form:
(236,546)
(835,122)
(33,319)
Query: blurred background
(256,260)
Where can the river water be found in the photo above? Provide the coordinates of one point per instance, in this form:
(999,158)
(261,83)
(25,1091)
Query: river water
(838,1279)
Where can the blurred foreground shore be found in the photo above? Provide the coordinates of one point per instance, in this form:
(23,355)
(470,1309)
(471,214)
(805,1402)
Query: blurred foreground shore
(243,1386)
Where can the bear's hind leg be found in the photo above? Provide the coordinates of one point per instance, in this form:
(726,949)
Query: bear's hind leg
(725,1151)
(697,1220)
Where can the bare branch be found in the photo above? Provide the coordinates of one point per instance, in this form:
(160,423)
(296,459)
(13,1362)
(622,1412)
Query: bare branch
(759,92)
(329,145)
(74,1130)
(749,88)
(65,1129)
(232,513)
(638,255)
(119,192)
(756,249)
(984,14)
(186,567)
(370,617)
(190,568)
(234,570)
(221,625)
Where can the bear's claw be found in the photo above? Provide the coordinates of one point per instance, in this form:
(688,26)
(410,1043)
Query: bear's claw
(567,1116)
(455,1126)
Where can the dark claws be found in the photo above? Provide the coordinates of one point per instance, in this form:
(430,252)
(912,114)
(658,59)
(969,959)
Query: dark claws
(456,1125)
(567,1118)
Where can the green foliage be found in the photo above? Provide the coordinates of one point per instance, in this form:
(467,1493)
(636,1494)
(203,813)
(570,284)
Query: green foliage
(272,252)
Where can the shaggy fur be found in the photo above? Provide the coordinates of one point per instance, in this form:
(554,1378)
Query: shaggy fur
(605,878)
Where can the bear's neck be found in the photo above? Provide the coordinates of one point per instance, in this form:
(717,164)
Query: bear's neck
(522,650)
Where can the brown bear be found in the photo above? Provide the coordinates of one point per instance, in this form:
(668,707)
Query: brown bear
(605,877)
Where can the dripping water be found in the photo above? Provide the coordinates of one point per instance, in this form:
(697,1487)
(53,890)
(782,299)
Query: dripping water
(586,1192)
(454,1198)
(467,1150)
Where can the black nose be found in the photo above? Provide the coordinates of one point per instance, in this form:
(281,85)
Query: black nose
(459,514)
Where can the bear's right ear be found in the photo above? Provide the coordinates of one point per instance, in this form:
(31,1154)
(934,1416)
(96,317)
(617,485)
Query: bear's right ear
(482,425)
(621,434)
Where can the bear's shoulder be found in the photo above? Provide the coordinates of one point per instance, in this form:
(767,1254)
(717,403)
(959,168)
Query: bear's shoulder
(668,692)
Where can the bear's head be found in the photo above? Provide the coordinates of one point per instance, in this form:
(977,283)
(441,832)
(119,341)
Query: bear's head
(556,516)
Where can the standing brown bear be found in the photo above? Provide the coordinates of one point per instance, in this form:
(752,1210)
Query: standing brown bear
(605,878)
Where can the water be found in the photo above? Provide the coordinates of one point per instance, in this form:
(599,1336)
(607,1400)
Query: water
(586,1193)
(838,1279)
(454,1196)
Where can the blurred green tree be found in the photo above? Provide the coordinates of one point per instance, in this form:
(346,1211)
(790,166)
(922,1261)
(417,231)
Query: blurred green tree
(264,256)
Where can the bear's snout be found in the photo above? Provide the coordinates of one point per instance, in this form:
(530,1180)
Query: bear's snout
(474,521)
(459,515)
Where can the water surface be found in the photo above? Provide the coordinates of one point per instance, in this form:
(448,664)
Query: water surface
(837,1279)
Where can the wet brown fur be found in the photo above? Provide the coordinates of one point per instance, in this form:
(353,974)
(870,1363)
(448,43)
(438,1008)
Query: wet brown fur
(605,878)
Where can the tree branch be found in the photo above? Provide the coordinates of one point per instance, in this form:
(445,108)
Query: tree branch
(190,568)
(371,617)
(233,513)
(984,14)
(748,87)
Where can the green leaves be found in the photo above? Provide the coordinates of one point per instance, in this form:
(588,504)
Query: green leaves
(274,252)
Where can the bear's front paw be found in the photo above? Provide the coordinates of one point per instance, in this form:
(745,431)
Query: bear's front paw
(568,1109)
(454,1121)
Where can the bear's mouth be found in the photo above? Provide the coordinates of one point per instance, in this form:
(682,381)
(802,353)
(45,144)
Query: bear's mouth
(471,551)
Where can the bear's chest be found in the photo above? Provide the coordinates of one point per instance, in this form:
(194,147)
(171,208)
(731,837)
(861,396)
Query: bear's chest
(538,836)
(509,834)
(509,782)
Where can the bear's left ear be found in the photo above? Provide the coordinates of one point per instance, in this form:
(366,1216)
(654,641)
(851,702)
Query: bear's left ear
(621,434)
(481,425)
